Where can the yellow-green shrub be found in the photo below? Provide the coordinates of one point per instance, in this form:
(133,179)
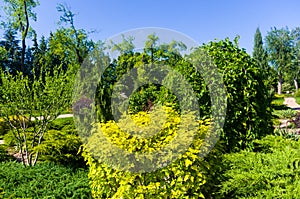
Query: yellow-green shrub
(3,127)
(4,124)
(182,178)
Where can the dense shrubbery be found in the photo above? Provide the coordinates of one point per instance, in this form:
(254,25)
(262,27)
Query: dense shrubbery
(248,118)
(272,170)
(183,178)
(3,128)
(248,100)
(60,144)
(43,181)
(4,154)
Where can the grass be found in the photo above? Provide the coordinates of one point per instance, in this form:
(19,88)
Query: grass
(277,102)
(297,100)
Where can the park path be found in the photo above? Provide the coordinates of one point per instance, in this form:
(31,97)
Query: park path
(60,116)
(291,102)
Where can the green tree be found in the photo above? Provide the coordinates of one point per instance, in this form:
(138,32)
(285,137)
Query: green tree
(19,14)
(126,46)
(248,101)
(11,45)
(80,44)
(295,69)
(261,57)
(29,106)
(280,52)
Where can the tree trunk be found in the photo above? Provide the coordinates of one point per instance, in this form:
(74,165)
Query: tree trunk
(279,87)
(296,84)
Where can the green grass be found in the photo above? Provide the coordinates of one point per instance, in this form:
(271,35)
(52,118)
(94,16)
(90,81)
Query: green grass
(277,102)
(62,123)
(297,100)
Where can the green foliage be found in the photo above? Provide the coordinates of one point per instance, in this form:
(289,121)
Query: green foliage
(261,58)
(4,157)
(182,178)
(297,100)
(285,114)
(287,87)
(271,171)
(43,181)
(144,97)
(61,144)
(278,100)
(288,133)
(4,127)
(29,105)
(279,46)
(297,93)
(248,101)
(19,14)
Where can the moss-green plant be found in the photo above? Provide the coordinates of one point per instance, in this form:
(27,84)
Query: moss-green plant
(43,181)
(272,170)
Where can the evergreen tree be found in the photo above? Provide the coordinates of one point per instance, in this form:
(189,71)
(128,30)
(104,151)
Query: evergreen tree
(11,44)
(261,58)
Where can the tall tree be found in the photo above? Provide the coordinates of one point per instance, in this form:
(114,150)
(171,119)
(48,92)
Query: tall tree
(19,14)
(259,53)
(280,50)
(81,44)
(151,45)
(296,56)
(11,45)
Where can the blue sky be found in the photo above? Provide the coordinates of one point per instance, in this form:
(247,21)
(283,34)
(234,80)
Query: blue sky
(201,20)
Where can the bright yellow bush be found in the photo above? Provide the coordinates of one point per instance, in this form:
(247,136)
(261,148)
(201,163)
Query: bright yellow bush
(146,133)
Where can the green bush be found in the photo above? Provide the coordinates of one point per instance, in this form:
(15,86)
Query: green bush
(61,144)
(61,147)
(297,93)
(287,87)
(3,128)
(62,123)
(278,100)
(285,114)
(4,157)
(249,112)
(182,178)
(272,170)
(288,133)
(43,181)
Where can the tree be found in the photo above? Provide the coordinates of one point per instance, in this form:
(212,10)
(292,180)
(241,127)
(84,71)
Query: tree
(280,48)
(151,45)
(11,45)
(29,106)
(261,57)
(81,44)
(296,56)
(126,46)
(19,13)
(248,101)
